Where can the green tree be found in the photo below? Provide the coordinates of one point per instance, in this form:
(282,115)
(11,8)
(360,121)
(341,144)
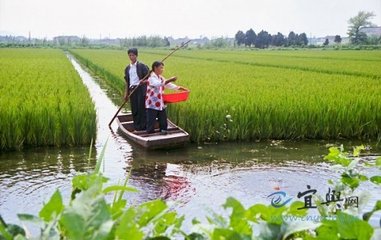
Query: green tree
(302,39)
(250,37)
(263,40)
(291,40)
(337,39)
(326,42)
(240,38)
(355,25)
(278,40)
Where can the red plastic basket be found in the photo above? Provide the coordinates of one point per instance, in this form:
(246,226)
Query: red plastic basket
(175,97)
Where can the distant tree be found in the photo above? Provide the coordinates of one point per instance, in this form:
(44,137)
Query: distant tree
(337,39)
(263,40)
(326,42)
(250,37)
(85,41)
(278,40)
(291,39)
(355,25)
(166,42)
(240,38)
(219,42)
(302,39)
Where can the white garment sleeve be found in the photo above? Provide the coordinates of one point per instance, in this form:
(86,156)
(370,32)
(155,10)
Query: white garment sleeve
(172,86)
(155,81)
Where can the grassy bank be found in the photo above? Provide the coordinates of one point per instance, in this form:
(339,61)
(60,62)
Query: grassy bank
(43,100)
(250,95)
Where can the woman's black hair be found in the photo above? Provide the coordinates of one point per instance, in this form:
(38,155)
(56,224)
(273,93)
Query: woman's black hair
(156,64)
(133,51)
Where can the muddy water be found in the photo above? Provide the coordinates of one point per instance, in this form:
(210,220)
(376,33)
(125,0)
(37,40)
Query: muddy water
(196,179)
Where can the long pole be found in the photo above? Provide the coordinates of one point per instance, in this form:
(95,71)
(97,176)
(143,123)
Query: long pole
(126,100)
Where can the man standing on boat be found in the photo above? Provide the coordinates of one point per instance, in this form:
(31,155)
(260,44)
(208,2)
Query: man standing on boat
(133,73)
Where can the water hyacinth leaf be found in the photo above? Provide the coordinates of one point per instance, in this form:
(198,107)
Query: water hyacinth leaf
(357,150)
(31,218)
(376,180)
(85,181)
(378,162)
(237,217)
(4,232)
(337,156)
(73,225)
(296,209)
(52,208)
(128,226)
(327,230)
(291,227)
(150,210)
(164,222)
(350,227)
(221,233)
(238,220)
(352,182)
(196,236)
(268,231)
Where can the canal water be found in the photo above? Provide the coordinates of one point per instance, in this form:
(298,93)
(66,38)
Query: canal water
(196,179)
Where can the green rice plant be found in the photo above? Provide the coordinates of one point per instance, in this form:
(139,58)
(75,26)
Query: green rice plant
(268,94)
(43,100)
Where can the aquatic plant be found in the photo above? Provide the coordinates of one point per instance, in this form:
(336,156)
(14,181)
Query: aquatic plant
(89,215)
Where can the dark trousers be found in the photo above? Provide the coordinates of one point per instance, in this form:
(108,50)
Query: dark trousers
(151,119)
(138,108)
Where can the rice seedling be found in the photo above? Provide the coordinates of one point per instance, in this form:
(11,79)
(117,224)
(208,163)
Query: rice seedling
(43,100)
(268,94)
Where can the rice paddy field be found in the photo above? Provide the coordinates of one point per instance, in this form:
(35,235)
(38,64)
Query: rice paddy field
(43,100)
(256,95)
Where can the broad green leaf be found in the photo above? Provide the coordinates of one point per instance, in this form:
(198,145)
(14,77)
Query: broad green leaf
(119,188)
(378,162)
(220,233)
(357,150)
(52,208)
(128,226)
(291,227)
(73,225)
(327,230)
(31,218)
(350,181)
(350,227)
(4,232)
(195,236)
(150,210)
(335,155)
(376,180)
(268,231)
(293,210)
(238,220)
(85,181)
(164,222)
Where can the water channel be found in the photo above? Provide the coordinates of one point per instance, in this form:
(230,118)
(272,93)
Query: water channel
(196,179)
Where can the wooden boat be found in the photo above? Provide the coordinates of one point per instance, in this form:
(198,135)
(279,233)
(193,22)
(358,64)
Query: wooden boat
(175,136)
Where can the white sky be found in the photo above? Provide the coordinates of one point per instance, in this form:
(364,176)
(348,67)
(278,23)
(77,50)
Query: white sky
(179,18)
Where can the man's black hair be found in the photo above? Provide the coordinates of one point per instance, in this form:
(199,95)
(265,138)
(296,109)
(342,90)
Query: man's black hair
(133,50)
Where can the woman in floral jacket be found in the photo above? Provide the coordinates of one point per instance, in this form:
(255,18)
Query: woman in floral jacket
(154,97)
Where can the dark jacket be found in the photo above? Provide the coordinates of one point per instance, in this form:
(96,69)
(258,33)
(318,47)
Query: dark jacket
(141,70)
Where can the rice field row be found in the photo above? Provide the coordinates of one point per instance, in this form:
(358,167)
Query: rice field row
(352,63)
(43,100)
(234,101)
